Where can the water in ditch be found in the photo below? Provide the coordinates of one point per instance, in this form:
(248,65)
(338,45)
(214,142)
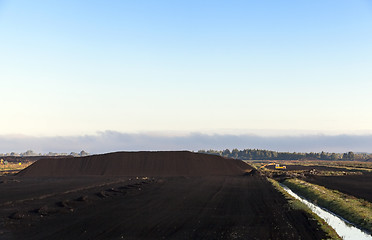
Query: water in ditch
(341,226)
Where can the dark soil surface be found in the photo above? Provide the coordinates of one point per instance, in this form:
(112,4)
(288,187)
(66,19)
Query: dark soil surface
(210,198)
(214,207)
(359,186)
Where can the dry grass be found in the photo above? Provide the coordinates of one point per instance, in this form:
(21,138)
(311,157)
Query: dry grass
(13,167)
(350,165)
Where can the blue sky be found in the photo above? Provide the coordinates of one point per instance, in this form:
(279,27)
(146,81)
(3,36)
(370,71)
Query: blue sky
(69,68)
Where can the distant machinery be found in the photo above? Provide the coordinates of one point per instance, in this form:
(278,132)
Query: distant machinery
(267,165)
(277,166)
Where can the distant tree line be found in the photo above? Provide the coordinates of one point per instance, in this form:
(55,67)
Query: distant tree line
(31,153)
(258,154)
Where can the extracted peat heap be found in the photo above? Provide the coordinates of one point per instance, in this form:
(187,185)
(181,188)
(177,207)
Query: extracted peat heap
(181,163)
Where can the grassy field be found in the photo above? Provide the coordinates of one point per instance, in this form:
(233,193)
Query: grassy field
(347,165)
(357,211)
(12,167)
(296,204)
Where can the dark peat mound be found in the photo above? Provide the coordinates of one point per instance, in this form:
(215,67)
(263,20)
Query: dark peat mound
(165,163)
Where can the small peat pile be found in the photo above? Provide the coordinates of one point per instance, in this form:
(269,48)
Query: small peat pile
(174,163)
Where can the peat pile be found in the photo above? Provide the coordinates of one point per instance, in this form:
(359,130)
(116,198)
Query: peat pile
(138,164)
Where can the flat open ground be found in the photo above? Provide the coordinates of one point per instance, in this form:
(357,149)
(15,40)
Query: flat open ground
(359,186)
(190,196)
(310,167)
(356,179)
(230,207)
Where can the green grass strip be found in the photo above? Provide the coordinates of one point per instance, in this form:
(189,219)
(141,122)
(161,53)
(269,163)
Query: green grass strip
(355,210)
(298,205)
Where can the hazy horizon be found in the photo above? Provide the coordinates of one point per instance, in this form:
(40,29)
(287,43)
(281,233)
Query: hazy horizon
(110,141)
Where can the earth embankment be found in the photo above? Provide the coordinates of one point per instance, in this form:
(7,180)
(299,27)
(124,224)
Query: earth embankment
(138,164)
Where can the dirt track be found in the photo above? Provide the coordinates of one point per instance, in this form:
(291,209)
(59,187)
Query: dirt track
(240,207)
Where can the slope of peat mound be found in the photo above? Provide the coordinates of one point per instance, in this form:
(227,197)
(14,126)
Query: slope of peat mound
(138,164)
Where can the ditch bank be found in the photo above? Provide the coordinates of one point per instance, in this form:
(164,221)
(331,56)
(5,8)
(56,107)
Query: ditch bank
(350,209)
